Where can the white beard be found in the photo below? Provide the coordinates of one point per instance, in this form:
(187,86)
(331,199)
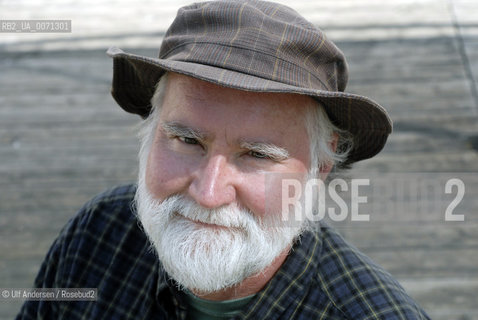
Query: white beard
(206,258)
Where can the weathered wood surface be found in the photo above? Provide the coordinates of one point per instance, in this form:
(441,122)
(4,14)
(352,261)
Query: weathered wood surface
(63,139)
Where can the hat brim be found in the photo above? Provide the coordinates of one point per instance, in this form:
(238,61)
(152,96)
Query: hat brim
(135,78)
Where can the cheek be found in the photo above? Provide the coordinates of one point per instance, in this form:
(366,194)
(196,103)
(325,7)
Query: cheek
(260,193)
(165,175)
(277,190)
(282,189)
(265,193)
(254,194)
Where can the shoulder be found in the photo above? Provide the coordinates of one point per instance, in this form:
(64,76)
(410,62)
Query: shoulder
(103,219)
(101,247)
(116,202)
(104,231)
(357,286)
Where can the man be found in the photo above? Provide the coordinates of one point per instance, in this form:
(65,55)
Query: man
(243,94)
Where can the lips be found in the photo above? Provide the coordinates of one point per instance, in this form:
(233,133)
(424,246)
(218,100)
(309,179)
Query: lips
(206,224)
(199,222)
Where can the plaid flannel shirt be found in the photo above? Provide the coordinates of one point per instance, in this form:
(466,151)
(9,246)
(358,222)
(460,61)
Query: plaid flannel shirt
(103,247)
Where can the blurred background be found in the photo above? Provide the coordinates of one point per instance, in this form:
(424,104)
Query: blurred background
(63,139)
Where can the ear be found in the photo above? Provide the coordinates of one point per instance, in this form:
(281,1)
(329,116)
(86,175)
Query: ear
(325,169)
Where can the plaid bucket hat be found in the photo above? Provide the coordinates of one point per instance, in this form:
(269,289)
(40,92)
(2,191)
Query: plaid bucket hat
(254,46)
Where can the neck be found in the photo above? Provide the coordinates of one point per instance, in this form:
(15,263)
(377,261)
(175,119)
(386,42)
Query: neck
(248,286)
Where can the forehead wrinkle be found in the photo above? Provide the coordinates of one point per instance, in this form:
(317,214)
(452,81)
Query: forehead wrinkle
(226,139)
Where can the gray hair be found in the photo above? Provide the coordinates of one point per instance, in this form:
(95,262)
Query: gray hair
(321,132)
(319,128)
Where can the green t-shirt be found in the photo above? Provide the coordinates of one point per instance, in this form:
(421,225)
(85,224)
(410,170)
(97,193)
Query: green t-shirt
(202,309)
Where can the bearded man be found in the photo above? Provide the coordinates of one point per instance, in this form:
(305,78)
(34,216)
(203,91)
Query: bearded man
(243,94)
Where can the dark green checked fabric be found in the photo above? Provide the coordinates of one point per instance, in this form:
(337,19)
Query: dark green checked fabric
(103,247)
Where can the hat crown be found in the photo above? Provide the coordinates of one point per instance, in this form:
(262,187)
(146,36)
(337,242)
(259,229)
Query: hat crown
(260,38)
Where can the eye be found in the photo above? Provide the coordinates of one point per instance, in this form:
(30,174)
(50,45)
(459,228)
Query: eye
(188,140)
(258,155)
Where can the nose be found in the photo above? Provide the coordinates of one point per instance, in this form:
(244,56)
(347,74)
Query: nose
(213,184)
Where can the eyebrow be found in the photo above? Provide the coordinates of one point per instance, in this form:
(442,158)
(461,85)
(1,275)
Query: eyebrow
(270,150)
(176,129)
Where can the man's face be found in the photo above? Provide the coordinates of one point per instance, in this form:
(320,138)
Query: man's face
(204,192)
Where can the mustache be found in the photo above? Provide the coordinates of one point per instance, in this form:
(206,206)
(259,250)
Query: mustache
(230,216)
